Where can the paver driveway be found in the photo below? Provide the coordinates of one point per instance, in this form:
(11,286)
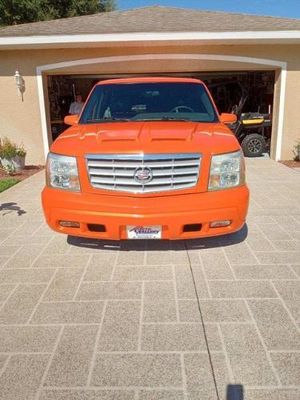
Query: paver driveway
(93,320)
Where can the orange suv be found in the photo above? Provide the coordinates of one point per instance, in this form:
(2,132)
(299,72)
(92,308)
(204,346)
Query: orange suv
(148,158)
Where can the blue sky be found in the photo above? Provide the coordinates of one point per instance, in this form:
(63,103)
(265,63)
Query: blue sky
(279,8)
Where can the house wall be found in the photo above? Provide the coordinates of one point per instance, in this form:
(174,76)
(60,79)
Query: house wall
(20,120)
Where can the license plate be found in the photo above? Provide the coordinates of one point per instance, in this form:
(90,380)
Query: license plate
(143,232)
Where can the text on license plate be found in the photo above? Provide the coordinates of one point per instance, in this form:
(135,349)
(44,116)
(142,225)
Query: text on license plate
(143,232)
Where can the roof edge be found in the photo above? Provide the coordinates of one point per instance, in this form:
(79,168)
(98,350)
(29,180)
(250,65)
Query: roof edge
(150,37)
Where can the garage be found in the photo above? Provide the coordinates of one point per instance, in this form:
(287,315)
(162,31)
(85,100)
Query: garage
(249,94)
(250,63)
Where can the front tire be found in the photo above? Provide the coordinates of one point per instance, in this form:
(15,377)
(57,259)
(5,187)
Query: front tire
(253,145)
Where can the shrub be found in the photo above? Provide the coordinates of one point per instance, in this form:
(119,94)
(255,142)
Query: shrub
(9,149)
(297,151)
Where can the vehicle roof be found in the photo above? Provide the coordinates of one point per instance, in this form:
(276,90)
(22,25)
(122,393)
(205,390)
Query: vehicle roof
(149,80)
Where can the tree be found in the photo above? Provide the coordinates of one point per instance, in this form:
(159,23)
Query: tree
(14,12)
(107,5)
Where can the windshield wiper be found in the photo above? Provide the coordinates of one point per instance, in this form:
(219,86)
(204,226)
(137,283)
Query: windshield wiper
(108,120)
(174,119)
(165,118)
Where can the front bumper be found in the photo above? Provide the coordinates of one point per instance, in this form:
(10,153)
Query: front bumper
(171,212)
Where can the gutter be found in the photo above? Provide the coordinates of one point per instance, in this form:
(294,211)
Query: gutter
(232,37)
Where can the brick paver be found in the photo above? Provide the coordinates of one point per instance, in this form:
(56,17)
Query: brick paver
(92,320)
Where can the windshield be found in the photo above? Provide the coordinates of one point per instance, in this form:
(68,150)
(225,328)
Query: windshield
(166,101)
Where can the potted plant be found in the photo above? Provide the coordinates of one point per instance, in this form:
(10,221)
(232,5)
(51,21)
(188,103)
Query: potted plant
(12,156)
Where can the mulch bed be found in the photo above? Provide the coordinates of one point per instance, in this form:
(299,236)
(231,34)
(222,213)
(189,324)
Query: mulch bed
(291,163)
(25,173)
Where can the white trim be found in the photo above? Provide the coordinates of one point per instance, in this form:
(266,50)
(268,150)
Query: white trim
(149,36)
(41,95)
(279,139)
(146,57)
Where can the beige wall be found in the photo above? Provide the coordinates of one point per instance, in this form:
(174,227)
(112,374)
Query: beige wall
(21,120)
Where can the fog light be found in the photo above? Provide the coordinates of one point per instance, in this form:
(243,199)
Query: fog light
(220,224)
(69,224)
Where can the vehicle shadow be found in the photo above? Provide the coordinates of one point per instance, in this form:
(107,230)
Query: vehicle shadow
(235,392)
(159,245)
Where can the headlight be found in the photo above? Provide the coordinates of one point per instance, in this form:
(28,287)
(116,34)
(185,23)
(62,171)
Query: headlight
(62,173)
(227,171)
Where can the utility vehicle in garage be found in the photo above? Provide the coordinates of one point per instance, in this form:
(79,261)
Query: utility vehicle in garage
(253,128)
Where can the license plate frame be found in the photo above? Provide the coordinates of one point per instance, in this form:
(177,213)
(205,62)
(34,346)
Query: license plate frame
(144,232)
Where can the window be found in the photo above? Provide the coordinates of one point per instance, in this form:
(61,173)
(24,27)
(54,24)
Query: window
(149,102)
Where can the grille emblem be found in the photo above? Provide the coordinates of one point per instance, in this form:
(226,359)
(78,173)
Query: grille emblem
(143,175)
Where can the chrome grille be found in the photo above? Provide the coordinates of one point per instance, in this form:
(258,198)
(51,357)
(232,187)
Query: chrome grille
(167,171)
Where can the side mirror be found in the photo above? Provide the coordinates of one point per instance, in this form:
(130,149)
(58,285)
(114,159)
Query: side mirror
(228,119)
(71,119)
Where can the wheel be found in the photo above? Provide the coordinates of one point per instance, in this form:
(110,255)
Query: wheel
(253,145)
(182,109)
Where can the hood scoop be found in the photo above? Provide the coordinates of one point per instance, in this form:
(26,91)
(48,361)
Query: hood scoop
(108,136)
(171,136)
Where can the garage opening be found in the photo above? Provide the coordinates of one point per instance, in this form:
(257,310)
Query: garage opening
(249,94)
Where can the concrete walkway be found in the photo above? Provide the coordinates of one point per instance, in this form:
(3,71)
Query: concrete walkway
(87,320)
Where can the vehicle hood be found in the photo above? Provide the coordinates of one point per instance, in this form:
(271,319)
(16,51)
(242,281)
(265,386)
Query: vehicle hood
(147,137)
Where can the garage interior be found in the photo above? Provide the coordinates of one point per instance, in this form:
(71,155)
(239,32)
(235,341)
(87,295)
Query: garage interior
(241,92)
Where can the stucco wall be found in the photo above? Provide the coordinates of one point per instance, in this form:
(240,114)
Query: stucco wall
(21,120)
